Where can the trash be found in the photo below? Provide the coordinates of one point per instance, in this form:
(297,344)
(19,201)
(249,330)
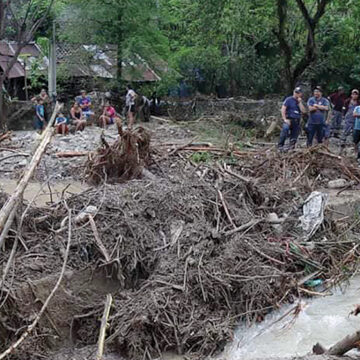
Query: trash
(83,216)
(314,283)
(337,184)
(313,213)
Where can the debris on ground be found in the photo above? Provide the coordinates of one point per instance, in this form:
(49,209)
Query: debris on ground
(209,237)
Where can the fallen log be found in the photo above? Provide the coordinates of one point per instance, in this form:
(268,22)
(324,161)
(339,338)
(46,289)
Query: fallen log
(340,348)
(13,202)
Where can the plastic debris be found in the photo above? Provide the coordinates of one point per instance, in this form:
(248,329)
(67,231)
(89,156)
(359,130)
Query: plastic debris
(313,213)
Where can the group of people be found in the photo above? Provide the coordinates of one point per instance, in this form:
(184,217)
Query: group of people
(336,116)
(81,112)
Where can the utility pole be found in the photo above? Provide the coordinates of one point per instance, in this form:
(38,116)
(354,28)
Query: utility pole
(52,65)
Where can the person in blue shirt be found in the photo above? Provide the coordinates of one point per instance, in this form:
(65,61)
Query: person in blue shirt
(61,124)
(84,102)
(40,115)
(291,112)
(356,132)
(318,107)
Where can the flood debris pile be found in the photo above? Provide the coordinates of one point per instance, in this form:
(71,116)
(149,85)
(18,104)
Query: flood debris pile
(192,253)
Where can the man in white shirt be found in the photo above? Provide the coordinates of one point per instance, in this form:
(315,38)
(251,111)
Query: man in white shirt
(130,105)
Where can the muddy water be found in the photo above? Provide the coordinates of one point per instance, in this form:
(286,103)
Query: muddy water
(323,320)
(45,196)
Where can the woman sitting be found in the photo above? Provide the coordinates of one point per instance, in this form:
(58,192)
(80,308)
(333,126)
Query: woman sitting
(77,117)
(108,117)
(61,124)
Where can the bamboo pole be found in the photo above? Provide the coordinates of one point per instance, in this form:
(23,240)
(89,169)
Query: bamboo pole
(13,201)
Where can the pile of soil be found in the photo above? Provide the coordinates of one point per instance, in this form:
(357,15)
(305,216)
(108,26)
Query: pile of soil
(192,254)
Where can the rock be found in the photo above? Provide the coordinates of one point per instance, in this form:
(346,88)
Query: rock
(337,184)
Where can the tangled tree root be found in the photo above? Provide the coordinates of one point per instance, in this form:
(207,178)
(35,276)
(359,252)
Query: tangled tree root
(121,161)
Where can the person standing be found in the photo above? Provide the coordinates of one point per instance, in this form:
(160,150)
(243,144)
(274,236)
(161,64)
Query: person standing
(130,105)
(318,107)
(39,115)
(348,112)
(338,101)
(291,112)
(356,133)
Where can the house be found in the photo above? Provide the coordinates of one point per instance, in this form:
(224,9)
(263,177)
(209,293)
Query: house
(15,82)
(101,62)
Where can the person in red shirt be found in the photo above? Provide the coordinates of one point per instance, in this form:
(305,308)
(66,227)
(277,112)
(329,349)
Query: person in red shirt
(108,116)
(338,101)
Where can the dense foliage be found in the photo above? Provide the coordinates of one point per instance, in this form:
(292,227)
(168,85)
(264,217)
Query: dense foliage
(228,47)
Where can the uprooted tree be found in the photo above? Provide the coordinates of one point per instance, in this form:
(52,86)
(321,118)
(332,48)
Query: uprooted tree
(19,20)
(121,161)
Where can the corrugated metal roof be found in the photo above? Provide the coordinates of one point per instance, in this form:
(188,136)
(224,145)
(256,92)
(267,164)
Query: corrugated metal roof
(16,71)
(102,62)
(31,49)
(7,51)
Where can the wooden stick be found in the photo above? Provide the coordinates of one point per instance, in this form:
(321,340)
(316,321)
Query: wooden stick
(99,243)
(226,208)
(31,327)
(5,136)
(67,154)
(104,322)
(12,202)
(108,301)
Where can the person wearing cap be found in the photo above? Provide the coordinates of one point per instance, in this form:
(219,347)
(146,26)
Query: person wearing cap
(85,104)
(291,112)
(348,112)
(318,108)
(338,101)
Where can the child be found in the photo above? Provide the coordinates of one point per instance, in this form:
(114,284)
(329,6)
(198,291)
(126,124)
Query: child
(40,115)
(61,124)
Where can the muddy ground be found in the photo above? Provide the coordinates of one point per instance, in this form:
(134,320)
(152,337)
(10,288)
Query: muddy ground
(193,251)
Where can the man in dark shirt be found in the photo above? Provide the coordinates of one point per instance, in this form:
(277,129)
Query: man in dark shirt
(318,107)
(338,100)
(291,112)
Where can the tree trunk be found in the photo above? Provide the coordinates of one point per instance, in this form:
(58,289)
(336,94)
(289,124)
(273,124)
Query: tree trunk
(293,73)
(119,54)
